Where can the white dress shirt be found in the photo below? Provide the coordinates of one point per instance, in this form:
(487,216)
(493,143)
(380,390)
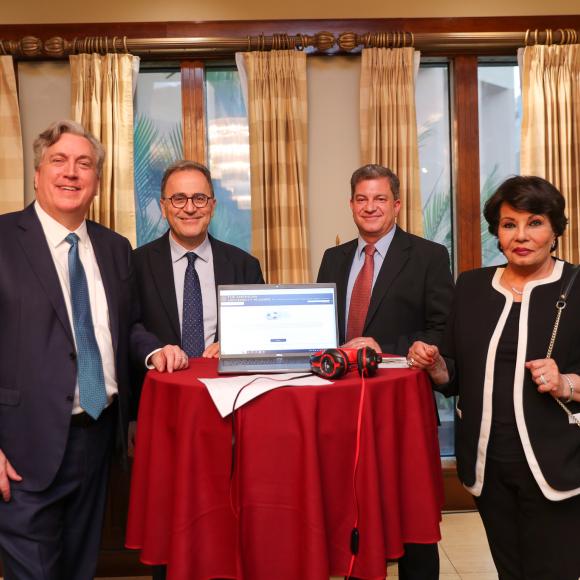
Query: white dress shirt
(59,248)
(205,271)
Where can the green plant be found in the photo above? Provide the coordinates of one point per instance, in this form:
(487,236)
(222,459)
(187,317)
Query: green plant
(437,216)
(489,251)
(153,152)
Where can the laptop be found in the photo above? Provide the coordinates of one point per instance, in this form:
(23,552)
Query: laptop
(274,328)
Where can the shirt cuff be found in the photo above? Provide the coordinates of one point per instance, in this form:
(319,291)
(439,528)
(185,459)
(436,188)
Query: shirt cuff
(148,358)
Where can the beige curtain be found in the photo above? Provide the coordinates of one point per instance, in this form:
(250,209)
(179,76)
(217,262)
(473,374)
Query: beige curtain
(102,101)
(11,164)
(277,116)
(550,144)
(388,124)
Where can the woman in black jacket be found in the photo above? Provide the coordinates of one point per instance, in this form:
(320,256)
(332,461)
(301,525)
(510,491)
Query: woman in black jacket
(518,449)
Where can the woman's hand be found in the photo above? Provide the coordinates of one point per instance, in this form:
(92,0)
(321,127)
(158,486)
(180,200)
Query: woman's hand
(427,357)
(546,375)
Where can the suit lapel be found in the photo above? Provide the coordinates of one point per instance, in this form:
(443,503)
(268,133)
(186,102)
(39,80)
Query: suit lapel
(106,262)
(161,265)
(396,258)
(36,248)
(343,272)
(222,268)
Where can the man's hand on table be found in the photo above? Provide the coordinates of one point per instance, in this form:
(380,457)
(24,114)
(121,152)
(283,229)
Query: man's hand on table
(361,342)
(168,359)
(212,351)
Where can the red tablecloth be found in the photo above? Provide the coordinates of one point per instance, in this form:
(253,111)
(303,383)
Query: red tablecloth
(289,510)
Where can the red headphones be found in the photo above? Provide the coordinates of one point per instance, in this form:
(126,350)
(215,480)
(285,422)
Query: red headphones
(335,362)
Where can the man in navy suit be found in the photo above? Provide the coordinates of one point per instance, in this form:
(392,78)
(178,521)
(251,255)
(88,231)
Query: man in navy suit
(188,203)
(69,326)
(409,296)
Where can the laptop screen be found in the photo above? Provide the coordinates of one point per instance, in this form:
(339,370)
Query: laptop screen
(270,319)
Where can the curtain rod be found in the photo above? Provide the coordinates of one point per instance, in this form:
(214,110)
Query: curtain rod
(57,47)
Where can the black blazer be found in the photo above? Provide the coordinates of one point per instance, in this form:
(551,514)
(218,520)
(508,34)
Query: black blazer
(550,442)
(38,366)
(154,270)
(411,298)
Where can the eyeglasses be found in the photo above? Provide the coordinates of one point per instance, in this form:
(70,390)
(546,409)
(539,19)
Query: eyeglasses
(179,200)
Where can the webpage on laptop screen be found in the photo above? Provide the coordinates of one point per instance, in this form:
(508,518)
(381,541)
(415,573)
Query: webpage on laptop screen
(285,320)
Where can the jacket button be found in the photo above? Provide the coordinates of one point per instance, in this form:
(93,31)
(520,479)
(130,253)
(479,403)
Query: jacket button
(72,355)
(70,398)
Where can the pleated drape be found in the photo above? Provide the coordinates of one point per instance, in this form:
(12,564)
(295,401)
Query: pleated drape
(102,101)
(277,115)
(11,163)
(388,124)
(550,140)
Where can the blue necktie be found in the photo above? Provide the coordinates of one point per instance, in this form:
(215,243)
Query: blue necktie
(92,393)
(192,335)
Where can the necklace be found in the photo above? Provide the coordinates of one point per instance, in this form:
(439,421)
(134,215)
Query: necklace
(516,291)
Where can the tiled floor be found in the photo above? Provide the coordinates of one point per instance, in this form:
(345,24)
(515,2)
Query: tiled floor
(463,550)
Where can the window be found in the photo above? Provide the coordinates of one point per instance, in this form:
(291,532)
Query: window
(499,101)
(229,157)
(433,127)
(158,142)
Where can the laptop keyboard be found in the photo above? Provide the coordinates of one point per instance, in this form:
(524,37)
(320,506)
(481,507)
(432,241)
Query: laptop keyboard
(271,362)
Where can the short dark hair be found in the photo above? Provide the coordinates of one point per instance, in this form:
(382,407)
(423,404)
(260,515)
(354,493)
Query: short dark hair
(186,165)
(373,171)
(528,193)
(56,130)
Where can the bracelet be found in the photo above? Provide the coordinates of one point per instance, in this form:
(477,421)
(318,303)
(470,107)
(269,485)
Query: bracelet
(571,387)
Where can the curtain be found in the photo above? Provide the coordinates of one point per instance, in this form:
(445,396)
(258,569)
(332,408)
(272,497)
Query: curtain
(550,145)
(388,124)
(277,116)
(11,163)
(102,101)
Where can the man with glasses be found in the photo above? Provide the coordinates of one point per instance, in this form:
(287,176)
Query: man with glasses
(178,273)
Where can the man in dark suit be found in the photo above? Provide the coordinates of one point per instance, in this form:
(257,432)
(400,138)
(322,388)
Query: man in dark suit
(188,204)
(393,288)
(167,278)
(68,328)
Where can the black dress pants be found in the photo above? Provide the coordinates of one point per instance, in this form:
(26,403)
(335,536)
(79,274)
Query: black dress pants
(530,537)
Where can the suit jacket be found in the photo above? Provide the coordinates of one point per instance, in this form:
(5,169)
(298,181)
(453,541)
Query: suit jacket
(38,366)
(411,297)
(154,270)
(550,442)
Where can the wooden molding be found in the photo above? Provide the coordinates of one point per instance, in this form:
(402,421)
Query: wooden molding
(171,40)
(466,162)
(193,107)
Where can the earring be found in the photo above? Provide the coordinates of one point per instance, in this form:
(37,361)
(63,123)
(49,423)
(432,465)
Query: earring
(554,245)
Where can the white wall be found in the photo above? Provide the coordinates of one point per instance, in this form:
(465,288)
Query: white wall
(333,150)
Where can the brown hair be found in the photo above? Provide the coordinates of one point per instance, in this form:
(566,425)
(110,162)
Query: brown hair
(55,131)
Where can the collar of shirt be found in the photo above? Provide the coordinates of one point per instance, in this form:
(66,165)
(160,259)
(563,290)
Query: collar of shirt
(381,246)
(178,252)
(56,233)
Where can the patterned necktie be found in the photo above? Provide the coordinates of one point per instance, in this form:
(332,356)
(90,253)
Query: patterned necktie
(192,334)
(92,393)
(361,295)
